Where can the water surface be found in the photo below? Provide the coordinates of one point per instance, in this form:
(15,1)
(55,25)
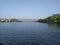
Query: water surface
(29,33)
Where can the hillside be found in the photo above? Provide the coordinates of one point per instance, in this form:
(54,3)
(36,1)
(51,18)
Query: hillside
(51,19)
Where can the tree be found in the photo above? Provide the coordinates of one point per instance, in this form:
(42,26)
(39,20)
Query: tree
(51,19)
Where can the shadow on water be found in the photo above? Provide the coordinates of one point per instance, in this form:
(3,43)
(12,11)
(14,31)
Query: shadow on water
(1,44)
(52,24)
(55,25)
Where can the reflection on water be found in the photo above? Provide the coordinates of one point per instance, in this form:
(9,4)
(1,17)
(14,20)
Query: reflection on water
(29,33)
(55,25)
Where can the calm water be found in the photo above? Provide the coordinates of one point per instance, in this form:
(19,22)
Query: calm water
(29,33)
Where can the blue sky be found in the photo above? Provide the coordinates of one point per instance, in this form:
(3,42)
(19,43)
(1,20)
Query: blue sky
(28,9)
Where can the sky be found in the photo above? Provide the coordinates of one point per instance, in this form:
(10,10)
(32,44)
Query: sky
(28,9)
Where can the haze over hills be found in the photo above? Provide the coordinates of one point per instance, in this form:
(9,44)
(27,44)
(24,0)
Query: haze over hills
(28,20)
(23,20)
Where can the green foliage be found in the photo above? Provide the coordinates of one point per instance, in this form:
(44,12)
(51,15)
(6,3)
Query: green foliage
(54,19)
(42,20)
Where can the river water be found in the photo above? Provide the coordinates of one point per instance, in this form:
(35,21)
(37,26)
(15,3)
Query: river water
(29,33)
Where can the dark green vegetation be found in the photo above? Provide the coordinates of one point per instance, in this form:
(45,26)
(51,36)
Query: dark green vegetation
(9,20)
(51,19)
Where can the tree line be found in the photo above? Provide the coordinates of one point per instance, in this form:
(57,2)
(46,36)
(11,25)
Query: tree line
(55,18)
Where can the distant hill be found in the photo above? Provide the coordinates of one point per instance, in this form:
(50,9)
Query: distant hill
(28,20)
(16,20)
(51,19)
(9,20)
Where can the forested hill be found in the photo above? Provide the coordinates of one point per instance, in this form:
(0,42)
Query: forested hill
(51,19)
